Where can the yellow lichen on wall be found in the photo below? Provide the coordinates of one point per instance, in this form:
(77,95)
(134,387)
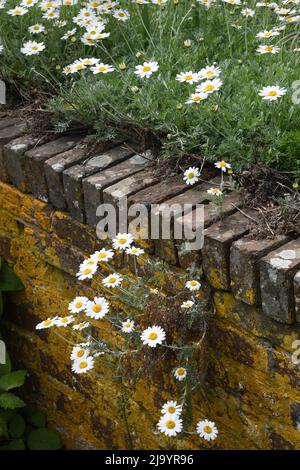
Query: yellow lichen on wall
(251,389)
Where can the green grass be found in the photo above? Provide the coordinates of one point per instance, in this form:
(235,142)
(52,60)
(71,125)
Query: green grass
(235,124)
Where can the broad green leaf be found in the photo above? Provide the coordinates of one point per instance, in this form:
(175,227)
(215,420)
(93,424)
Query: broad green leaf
(12,380)
(16,444)
(10,401)
(17,427)
(37,419)
(9,281)
(43,439)
(5,368)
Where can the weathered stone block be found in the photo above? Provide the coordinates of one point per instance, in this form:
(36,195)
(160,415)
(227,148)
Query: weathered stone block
(244,266)
(54,168)
(8,133)
(35,159)
(72,177)
(94,185)
(13,154)
(277,271)
(216,250)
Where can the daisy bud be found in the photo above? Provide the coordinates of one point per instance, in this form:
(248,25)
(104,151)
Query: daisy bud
(179,106)
(295,185)
(135,89)
(138,55)
(122,66)
(187,43)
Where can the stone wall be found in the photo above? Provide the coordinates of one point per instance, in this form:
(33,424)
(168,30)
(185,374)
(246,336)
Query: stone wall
(48,196)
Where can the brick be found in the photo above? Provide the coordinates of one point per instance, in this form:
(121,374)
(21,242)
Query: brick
(277,271)
(35,159)
(6,135)
(297,295)
(129,186)
(72,177)
(244,266)
(8,122)
(216,250)
(164,190)
(13,154)
(54,168)
(186,255)
(94,185)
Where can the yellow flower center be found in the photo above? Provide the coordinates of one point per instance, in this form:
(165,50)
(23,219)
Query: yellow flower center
(171,409)
(78,304)
(222,163)
(47,322)
(101,255)
(207,429)
(180,371)
(112,280)
(267,35)
(194,283)
(146,68)
(97,308)
(153,336)
(170,424)
(102,69)
(268,48)
(272,93)
(209,73)
(83,365)
(188,77)
(196,98)
(87,271)
(91,262)
(80,353)
(209,87)
(65,320)
(191,175)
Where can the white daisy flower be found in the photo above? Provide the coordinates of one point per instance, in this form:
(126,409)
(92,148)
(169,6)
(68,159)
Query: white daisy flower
(84,365)
(146,70)
(267,34)
(17,11)
(196,98)
(209,86)
(193,285)
(171,408)
(272,93)
(170,425)
(1,48)
(36,29)
(233,2)
(153,336)
(214,192)
(135,251)
(86,272)
(64,321)
(97,308)
(180,373)
(69,34)
(28,3)
(127,326)
(51,14)
(81,326)
(187,304)
(209,72)
(113,280)
(188,77)
(78,304)
(88,263)
(248,12)
(207,430)
(32,48)
(102,255)
(268,49)
(121,15)
(78,353)
(46,323)
(89,61)
(122,241)
(102,68)
(223,166)
(191,175)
